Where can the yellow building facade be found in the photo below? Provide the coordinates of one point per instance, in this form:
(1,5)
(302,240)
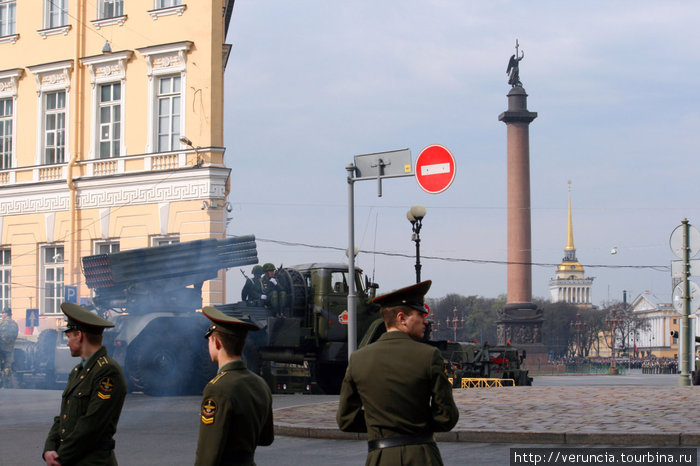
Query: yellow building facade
(111,138)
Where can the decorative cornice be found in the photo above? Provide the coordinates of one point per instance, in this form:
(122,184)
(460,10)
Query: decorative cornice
(166,58)
(44,33)
(109,67)
(116,20)
(11,39)
(172,10)
(8,82)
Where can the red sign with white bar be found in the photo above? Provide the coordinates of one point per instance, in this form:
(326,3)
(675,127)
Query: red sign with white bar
(435,169)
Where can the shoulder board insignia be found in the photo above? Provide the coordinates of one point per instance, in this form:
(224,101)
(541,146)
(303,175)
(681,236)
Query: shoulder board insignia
(215,379)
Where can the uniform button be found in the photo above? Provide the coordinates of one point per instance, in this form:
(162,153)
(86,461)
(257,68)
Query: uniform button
(63,431)
(82,377)
(68,402)
(80,393)
(64,416)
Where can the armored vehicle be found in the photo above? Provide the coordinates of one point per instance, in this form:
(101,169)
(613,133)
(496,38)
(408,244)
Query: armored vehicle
(303,342)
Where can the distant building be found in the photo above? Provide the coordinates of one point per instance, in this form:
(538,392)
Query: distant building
(111,138)
(570,284)
(662,318)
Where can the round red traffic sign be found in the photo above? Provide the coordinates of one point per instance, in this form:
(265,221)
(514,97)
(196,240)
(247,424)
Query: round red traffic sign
(435,169)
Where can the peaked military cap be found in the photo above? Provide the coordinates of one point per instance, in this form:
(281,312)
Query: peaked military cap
(225,323)
(412,296)
(81,319)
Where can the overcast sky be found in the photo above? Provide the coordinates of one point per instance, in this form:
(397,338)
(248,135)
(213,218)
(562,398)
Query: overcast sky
(311,84)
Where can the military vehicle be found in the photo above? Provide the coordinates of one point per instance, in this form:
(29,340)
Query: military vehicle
(151,295)
(469,360)
(303,342)
(44,363)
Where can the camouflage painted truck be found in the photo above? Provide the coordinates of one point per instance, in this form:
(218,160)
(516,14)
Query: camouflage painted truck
(303,342)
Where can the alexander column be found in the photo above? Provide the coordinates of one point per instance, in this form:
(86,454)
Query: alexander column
(520,321)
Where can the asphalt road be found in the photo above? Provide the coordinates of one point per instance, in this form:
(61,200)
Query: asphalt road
(163,431)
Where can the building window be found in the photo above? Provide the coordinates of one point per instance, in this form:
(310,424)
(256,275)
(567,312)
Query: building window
(5,133)
(109,120)
(52,278)
(55,13)
(106,247)
(7,17)
(110,8)
(167,3)
(164,240)
(5,279)
(168,117)
(54,127)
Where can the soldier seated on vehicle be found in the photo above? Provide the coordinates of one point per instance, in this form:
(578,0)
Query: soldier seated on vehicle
(252,290)
(270,287)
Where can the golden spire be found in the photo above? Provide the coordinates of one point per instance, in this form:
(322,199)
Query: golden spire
(570,232)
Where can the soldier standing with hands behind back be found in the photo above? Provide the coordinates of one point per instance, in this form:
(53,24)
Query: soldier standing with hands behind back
(92,400)
(396,390)
(236,411)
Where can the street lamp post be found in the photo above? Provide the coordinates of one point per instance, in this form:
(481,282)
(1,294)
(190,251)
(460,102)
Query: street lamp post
(415,216)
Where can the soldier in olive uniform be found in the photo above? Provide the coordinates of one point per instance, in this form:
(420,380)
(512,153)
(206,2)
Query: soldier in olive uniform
(236,412)
(8,336)
(92,400)
(396,390)
(252,290)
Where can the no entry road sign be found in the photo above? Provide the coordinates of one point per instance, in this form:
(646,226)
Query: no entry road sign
(435,169)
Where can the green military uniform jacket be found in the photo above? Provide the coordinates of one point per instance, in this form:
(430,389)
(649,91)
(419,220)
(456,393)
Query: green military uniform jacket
(397,386)
(236,417)
(8,335)
(90,408)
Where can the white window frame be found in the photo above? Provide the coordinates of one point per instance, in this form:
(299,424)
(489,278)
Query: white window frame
(102,6)
(107,69)
(167,7)
(162,61)
(8,18)
(112,245)
(52,77)
(58,132)
(5,278)
(164,240)
(7,132)
(173,99)
(8,90)
(51,304)
(58,9)
(106,129)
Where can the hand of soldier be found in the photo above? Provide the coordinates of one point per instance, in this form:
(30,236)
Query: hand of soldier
(263,296)
(273,281)
(51,458)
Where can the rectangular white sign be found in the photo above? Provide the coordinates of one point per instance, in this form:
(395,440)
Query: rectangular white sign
(435,169)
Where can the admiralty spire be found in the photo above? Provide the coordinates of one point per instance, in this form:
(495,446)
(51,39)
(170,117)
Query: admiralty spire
(570,284)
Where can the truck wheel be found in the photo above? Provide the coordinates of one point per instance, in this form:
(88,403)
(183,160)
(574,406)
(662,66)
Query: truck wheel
(158,368)
(695,379)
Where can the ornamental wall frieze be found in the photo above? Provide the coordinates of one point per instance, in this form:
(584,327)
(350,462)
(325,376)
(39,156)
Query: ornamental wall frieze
(56,78)
(167,61)
(7,85)
(101,197)
(107,71)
